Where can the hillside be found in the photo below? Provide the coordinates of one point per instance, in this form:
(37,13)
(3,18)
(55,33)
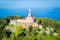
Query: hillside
(31,33)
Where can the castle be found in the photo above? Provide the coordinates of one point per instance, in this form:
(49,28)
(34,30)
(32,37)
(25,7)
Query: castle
(28,21)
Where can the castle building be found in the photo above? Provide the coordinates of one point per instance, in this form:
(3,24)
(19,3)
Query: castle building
(28,21)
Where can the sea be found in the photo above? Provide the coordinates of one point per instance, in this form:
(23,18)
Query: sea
(53,13)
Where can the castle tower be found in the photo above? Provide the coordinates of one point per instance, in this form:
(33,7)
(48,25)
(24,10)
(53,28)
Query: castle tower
(29,13)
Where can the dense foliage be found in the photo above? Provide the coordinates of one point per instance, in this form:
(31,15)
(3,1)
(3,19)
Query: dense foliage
(28,33)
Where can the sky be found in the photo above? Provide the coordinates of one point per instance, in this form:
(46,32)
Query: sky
(16,4)
(40,8)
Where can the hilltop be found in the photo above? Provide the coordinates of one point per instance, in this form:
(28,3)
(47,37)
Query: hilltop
(21,32)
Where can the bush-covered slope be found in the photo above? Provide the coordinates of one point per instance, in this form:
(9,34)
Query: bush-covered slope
(28,34)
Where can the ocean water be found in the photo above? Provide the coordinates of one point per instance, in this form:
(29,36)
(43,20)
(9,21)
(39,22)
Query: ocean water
(53,13)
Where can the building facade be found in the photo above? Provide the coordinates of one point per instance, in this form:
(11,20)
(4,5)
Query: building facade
(28,21)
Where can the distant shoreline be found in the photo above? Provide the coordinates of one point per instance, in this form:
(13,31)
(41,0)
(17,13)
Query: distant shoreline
(35,17)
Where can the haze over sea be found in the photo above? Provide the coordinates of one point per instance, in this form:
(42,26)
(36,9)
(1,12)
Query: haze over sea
(40,8)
